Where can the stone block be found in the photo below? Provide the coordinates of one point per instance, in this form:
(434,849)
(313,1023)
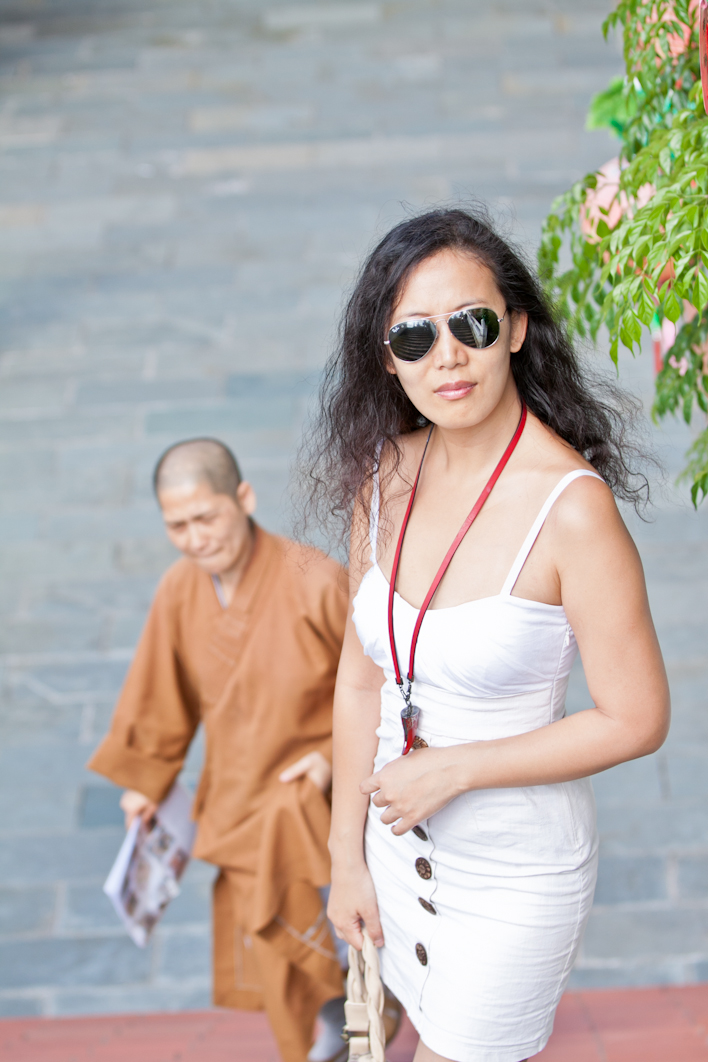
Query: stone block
(578,696)
(687,775)
(18,470)
(34,805)
(19,1006)
(670,609)
(185,954)
(21,634)
(677,566)
(199,871)
(23,717)
(192,906)
(31,393)
(135,522)
(654,829)
(26,910)
(146,999)
(636,783)
(99,806)
(102,677)
(32,859)
(626,935)
(277,414)
(144,556)
(31,562)
(86,907)
(91,477)
(49,764)
(18,527)
(104,392)
(264,387)
(699,972)
(693,877)
(69,962)
(683,643)
(630,879)
(630,975)
(54,426)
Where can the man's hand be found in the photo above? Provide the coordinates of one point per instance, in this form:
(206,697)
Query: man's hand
(133,804)
(315,766)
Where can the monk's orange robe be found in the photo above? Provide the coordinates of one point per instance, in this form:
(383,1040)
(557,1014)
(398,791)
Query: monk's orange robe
(260,676)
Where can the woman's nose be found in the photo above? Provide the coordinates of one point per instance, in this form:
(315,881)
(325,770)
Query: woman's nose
(449,352)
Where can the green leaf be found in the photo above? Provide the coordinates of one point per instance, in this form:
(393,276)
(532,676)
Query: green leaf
(699,295)
(645,307)
(634,326)
(672,306)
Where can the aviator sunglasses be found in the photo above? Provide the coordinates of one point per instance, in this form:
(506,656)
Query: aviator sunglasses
(476,327)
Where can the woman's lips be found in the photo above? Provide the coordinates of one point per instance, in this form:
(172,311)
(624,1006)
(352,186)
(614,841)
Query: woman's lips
(457,389)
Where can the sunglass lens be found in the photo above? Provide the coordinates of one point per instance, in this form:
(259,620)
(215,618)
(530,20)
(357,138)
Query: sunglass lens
(411,340)
(475,328)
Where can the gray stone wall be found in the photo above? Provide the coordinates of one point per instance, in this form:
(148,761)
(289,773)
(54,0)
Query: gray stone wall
(185,192)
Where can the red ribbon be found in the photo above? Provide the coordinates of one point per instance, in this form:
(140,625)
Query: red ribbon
(409,714)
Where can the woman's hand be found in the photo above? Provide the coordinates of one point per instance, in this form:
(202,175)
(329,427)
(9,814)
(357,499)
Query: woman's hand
(352,900)
(315,766)
(414,787)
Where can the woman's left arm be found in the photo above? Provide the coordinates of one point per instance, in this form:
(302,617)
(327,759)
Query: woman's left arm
(605,599)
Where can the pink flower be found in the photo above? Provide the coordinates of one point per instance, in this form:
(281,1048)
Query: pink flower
(682,365)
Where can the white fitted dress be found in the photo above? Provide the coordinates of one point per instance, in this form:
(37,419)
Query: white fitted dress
(483,907)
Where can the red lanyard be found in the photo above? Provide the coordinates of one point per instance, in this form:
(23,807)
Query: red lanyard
(409,714)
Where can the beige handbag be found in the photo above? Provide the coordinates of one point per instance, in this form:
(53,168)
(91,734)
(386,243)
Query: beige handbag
(364,1007)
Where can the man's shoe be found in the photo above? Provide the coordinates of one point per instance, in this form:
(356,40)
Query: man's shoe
(328,1046)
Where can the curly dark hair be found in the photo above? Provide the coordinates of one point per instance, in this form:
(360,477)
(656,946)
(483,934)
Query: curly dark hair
(362,405)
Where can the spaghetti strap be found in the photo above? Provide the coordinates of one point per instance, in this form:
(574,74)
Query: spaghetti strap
(538,523)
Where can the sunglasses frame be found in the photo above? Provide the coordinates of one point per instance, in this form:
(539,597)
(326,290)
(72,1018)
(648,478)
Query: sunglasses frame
(447,316)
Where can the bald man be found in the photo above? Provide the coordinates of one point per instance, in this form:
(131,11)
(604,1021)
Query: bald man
(244,636)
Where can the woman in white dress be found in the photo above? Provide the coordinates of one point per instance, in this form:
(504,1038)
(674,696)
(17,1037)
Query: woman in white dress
(455,414)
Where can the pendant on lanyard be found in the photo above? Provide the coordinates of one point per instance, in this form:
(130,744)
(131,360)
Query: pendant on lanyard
(409,713)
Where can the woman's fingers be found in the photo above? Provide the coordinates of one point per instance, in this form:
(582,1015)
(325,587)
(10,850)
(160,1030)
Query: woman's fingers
(352,935)
(372,922)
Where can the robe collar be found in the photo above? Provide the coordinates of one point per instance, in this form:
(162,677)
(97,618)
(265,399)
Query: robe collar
(264,559)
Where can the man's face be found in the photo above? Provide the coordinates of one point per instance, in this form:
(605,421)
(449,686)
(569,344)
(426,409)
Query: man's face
(211,529)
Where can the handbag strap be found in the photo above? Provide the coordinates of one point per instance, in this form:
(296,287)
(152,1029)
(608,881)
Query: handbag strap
(365,1004)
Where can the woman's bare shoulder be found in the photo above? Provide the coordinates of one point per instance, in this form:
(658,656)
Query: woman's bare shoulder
(549,453)
(587,502)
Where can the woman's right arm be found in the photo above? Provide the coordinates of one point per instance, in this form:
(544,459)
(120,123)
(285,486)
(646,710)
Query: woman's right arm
(357,712)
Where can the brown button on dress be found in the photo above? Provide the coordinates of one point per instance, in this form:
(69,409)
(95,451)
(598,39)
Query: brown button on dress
(425,871)
(426,905)
(420,833)
(421,954)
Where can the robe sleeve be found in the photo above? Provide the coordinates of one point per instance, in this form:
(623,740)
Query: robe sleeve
(157,712)
(330,621)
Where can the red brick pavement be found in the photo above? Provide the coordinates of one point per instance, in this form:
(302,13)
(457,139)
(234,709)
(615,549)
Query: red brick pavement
(627,1025)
